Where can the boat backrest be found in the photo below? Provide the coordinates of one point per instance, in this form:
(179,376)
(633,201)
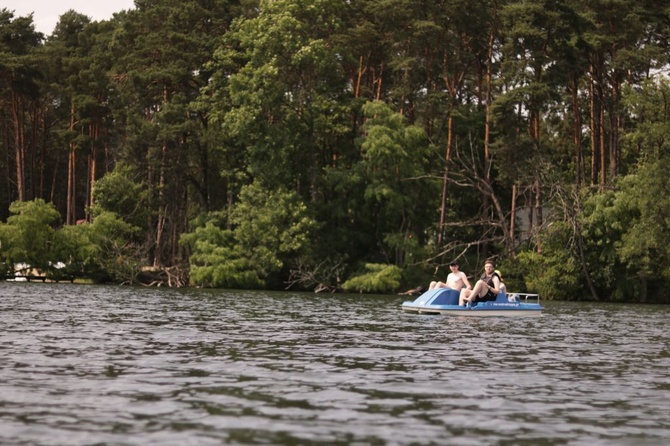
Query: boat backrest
(446,296)
(501,297)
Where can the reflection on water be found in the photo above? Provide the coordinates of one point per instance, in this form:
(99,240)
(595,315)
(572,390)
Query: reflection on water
(84,365)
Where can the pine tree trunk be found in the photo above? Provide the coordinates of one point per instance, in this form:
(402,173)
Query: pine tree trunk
(19,149)
(162,211)
(70,217)
(603,152)
(95,136)
(34,137)
(487,123)
(539,215)
(71,180)
(512,224)
(594,129)
(445,180)
(615,125)
(43,152)
(577,133)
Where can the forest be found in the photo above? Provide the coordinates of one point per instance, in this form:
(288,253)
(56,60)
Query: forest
(341,145)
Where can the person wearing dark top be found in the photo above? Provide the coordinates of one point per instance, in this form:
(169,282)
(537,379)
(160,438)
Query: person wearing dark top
(486,288)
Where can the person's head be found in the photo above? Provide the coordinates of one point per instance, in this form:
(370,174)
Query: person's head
(489,266)
(453,265)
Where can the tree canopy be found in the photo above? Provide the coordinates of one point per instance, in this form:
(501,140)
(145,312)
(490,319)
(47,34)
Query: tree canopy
(329,145)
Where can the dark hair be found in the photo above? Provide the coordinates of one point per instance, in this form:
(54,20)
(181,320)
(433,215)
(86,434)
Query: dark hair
(453,263)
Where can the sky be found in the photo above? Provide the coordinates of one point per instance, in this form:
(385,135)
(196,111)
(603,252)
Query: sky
(47,12)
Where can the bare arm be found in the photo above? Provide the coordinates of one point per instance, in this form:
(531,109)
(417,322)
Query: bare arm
(496,285)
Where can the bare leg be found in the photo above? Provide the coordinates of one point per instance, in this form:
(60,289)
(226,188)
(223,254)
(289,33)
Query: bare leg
(434,285)
(471,296)
(464,296)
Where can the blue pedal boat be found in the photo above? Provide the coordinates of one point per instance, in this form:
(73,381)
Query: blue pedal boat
(445,301)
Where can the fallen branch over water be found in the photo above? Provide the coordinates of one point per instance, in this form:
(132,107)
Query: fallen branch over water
(173,276)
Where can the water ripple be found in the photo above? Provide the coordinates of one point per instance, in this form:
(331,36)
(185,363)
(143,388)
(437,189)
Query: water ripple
(84,365)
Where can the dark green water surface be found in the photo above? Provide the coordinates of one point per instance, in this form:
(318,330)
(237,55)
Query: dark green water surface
(107,365)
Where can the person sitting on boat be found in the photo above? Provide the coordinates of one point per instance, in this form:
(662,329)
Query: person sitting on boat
(503,288)
(486,289)
(456,279)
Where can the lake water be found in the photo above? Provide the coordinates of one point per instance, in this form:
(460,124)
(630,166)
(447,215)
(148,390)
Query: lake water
(107,365)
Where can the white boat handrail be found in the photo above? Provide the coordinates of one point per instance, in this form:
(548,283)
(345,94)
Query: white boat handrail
(526,296)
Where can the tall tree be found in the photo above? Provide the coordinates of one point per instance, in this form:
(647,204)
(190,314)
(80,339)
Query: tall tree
(625,40)
(69,58)
(465,34)
(162,48)
(286,95)
(394,156)
(536,34)
(19,42)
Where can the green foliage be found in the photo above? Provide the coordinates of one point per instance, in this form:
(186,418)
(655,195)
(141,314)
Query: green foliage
(29,236)
(271,226)
(75,253)
(514,272)
(624,243)
(604,223)
(648,104)
(644,243)
(393,152)
(116,192)
(555,274)
(217,261)
(281,89)
(624,229)
(630,231)
(113,253)
(269,229)
(378,278)
(102,250)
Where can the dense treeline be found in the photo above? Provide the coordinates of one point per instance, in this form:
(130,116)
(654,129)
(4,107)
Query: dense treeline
(341,145)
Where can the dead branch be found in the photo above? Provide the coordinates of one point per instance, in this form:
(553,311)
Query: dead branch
(323,276)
